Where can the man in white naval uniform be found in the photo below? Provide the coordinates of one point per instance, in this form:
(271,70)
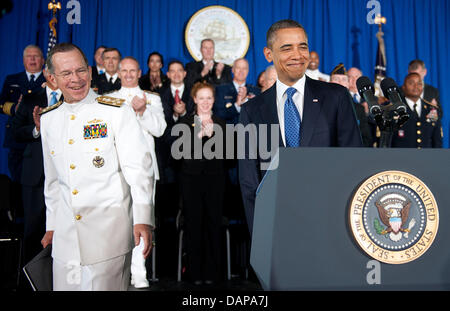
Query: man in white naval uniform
(98,180)
(150,115)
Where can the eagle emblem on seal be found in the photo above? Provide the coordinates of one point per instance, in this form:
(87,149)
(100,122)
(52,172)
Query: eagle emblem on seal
(393,210)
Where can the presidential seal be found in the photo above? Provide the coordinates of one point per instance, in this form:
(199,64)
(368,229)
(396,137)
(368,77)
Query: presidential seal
(225,27)
(394,217)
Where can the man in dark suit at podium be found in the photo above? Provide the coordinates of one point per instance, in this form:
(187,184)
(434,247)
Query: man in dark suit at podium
(309,113)
(25,127)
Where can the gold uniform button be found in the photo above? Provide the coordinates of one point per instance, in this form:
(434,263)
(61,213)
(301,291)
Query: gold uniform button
(72,166)
(78,217)
(419,140)
(72,117)
(52,152)
(29,91)
(96,149)
(419,124)
(71,141)
(419,132)
(75,192)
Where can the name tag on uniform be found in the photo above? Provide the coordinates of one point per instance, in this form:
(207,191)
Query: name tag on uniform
(99,130)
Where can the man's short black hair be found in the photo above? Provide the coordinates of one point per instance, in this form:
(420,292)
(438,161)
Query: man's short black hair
(282,24)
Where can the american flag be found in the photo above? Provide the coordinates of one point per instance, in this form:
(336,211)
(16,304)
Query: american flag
(52,34)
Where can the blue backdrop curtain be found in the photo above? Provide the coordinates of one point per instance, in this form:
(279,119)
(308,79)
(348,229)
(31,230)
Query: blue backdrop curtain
(337,29)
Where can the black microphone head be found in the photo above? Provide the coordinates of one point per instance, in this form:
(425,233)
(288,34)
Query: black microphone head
(363,84)
(387,85)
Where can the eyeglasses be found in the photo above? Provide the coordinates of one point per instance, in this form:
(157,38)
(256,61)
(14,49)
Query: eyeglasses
(66,75)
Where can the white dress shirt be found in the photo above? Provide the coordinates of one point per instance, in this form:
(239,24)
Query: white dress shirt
(237,86)
(298,99)
(114,77)
(411,105)
(48,91)
(180,89)
(36,75)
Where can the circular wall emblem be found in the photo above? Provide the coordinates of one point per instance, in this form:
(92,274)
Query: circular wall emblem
(226,27)
(394,217)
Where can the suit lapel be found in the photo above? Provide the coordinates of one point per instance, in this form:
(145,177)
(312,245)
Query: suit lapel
(311,110)
(269,111)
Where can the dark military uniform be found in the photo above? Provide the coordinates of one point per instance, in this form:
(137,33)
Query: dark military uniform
(419,132)
(14,86)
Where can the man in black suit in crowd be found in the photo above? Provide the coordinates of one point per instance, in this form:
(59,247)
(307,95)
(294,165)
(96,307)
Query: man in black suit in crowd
(208,69)
(177,103)
(430,94)
(309,113)
(110,81)
(25,127)
(99,68)
(15,86)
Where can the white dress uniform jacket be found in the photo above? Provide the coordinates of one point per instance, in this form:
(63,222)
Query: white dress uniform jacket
(152,121)
(98,181)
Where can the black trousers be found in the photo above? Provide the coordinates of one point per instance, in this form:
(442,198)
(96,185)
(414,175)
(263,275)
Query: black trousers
(203,197)
(34,220)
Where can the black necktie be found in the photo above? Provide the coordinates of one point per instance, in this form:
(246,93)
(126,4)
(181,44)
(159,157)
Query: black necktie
(415,110)
(111,81)
(32,78)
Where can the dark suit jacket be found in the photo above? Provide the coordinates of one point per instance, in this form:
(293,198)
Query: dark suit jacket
(430,92)
(203,166)
(408,135)
(194,70)
(144,83)
(164,143)
(22,128)
(95,77)
(105,87)
(328,121)
(225,95)
(14,86)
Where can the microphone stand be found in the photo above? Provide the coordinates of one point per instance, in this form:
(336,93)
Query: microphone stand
(388,121)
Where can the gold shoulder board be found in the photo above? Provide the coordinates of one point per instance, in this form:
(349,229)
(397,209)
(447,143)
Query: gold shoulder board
(50,108)
(110,101)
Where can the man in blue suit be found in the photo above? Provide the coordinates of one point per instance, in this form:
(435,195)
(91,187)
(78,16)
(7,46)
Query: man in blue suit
(306,112)
(231,96)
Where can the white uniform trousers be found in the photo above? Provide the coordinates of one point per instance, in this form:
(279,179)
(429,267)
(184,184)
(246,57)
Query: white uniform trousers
(138,269)
(110,275)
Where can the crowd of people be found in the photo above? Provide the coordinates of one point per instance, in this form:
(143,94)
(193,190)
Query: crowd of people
(90,149)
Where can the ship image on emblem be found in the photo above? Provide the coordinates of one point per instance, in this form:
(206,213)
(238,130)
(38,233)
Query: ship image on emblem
(393,210)
(394,217)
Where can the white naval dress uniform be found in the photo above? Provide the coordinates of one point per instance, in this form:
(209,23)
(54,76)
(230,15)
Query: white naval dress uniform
(98,184)
(152,124)
(316,75)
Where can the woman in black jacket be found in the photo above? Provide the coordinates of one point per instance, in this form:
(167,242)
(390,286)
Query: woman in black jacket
(203,186)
